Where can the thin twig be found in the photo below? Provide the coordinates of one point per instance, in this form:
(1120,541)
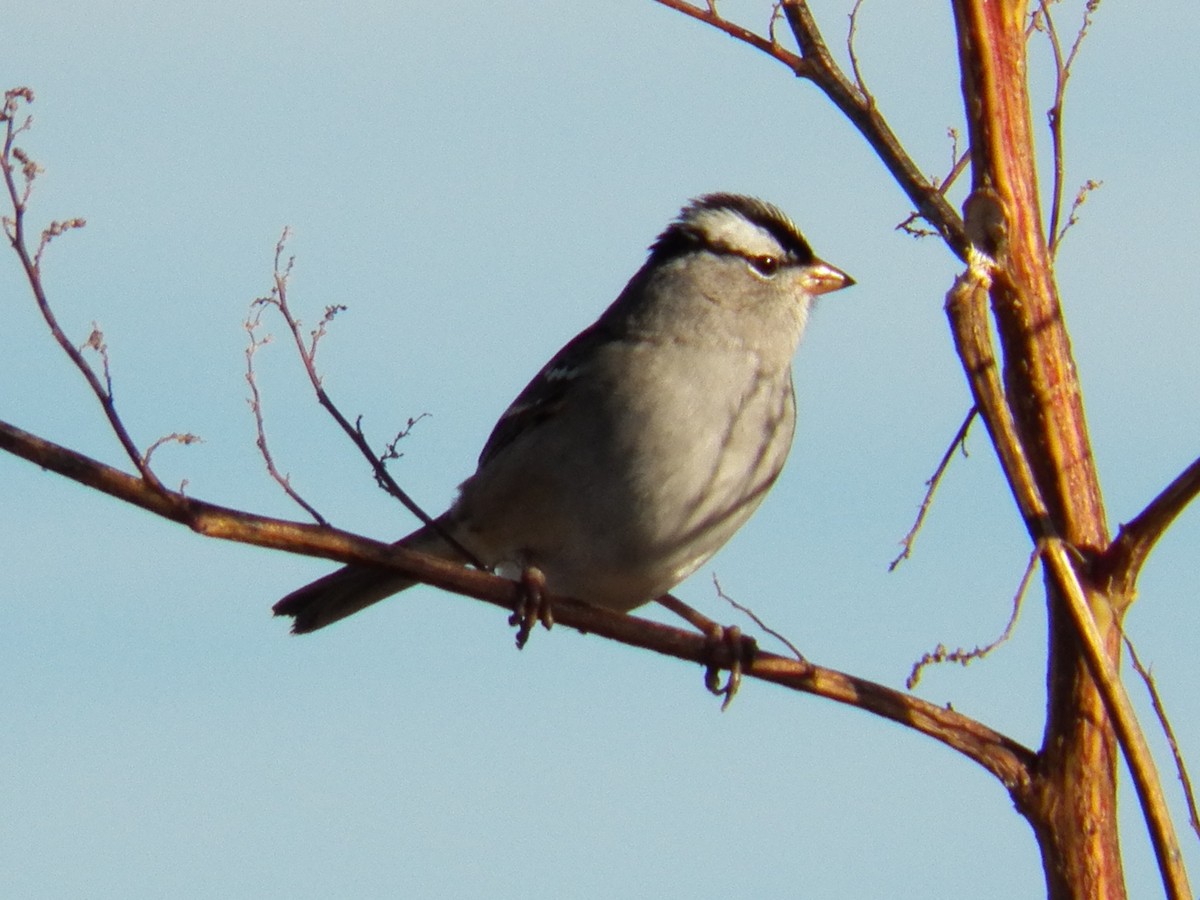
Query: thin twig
(175,437)
(255,402)
(1164,722)
(308,355)
(768,45)
(1062,67)
(747,611)
(31,264)
(960,440)
(965,657)
(1054,115)
(958,165)
(1073,217)
(851,32)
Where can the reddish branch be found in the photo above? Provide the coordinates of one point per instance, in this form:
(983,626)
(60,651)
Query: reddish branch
(1031,402)
(1006,759)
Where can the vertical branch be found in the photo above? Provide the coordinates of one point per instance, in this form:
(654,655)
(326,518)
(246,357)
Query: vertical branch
(1039,369)
(31,263)
(1061,73)
(1047,457)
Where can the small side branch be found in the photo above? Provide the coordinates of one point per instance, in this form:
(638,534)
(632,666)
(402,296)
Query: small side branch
(16,165)
(1062,66)
(962,656)
(960,440)
(708,15)
(308,356)
(815,63)
(1125,556)
(255,403)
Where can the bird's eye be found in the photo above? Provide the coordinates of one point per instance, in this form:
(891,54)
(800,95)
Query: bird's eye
(765,266)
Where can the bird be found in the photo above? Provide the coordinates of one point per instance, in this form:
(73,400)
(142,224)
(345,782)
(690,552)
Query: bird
(648,440)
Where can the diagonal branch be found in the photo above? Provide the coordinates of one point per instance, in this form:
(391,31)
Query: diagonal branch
(966,308)
(1168,730)
(308,357)
(815,63)
(931,486)
(1008,760)
(862,112)
(1123,560)
(1142,769)
(768,45)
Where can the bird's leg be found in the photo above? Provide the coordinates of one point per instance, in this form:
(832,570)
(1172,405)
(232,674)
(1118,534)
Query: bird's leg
(725,643)
(534,605)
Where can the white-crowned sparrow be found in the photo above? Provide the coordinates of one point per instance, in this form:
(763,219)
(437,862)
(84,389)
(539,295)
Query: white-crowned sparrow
(650,438)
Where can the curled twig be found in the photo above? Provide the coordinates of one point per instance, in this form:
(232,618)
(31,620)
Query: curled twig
(965,657)
(175,437)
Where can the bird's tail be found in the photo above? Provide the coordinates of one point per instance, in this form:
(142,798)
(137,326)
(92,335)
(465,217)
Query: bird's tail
(355,587)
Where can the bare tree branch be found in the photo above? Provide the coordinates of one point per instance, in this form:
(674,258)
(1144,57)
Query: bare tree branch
(866,117)
(31,265)
(768,45)
(1006,759)
(255,403)
(816,64)
(966,307)
(278,298)
(1122,562)
(1057,556)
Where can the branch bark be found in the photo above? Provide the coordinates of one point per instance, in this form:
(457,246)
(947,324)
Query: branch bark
(1037,424)
(1008,760)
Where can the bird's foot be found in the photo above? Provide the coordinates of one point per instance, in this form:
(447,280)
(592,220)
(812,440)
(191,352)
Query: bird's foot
(533,607)
(727,648)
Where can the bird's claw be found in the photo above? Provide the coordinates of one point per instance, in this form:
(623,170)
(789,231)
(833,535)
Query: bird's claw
(736,650)
(533,607)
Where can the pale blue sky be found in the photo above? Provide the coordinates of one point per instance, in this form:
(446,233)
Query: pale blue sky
(476,182)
